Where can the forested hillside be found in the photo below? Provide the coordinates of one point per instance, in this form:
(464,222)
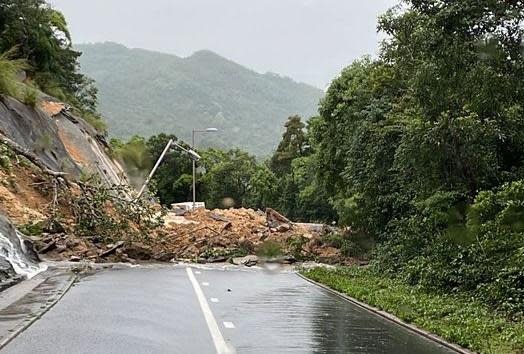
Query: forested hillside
(146,93)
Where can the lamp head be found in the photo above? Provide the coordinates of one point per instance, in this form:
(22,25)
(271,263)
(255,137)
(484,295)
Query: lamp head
(193,155)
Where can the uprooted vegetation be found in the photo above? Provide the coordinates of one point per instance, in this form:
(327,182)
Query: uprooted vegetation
(74,218)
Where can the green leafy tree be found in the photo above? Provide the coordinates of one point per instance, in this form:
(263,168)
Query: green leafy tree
(232,179)
(41,37)
(408,144)
(292,145)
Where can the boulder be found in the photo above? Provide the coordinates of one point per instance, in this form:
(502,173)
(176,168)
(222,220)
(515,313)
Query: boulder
(6,270)
(139,251)
(112,249)
(284,228)
(247,261)
(275,219)
(164,256)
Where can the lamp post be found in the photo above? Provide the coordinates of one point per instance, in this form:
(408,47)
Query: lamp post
(171,143)
(207,130)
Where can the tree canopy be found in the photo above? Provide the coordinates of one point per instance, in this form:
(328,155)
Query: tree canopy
(37,33)
(411,145)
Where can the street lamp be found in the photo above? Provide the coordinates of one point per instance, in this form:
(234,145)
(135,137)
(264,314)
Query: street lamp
(207,130)
(171,143)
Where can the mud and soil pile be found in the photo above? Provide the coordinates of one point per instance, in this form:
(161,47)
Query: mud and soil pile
(204,236)
(220,235)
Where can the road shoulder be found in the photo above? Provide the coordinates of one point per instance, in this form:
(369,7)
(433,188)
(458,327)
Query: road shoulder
(26,302)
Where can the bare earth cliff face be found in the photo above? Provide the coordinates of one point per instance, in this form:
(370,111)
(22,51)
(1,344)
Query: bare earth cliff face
(63,143)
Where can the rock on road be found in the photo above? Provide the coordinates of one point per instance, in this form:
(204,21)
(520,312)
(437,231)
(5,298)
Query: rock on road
(198,309)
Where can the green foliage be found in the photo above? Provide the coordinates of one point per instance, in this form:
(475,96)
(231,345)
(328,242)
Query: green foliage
(135,158)
(296,244)
(30,97)
(31,229)
(298,193)
(173,179)
(6,155)
(227,181)
(173,95)
(292,146)
(422,149)
(358,245)
(108,213)
(269,249)
(9,70)
(41,38)
(456,318)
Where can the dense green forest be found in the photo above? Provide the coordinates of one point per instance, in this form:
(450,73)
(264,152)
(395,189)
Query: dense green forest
(147,93)
(420,151)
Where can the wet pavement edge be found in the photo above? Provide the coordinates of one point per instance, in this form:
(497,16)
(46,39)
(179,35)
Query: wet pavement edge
(52,301)
(391,318)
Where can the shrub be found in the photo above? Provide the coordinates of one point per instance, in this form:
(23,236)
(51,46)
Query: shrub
(30,97)
(351,244)
(9,69)
(269,249)
(447,247)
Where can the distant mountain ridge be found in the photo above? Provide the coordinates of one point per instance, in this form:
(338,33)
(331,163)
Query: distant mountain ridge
(146,93)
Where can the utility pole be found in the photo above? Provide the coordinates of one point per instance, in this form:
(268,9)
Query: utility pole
(194,170)
(208,130)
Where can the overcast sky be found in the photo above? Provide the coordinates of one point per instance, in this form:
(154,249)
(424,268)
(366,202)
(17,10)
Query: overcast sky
(308,40)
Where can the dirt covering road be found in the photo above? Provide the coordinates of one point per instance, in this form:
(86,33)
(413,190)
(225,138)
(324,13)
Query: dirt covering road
(205,236)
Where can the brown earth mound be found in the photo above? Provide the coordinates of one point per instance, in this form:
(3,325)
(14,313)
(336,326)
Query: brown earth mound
(220,234)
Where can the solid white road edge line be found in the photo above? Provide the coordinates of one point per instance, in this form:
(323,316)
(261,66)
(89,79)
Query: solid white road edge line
(218,339)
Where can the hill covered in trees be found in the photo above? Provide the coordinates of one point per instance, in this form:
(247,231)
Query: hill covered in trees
(146,93)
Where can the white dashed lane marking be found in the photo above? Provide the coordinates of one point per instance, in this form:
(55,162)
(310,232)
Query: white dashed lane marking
(229,325)
(198,272)
(214,299)
(220,344)
(205,284)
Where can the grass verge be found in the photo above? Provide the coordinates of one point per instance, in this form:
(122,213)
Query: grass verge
(457,319)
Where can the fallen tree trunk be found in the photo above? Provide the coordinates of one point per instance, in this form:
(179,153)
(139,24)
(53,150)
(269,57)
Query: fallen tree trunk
(31,157)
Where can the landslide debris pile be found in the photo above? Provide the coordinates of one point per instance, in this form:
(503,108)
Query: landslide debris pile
(240,236)
(221,235)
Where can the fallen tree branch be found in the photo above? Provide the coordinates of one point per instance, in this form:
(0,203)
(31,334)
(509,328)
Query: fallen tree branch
(31,157)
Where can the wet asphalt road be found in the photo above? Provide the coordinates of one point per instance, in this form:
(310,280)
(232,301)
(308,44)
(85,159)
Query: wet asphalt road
(160,310)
